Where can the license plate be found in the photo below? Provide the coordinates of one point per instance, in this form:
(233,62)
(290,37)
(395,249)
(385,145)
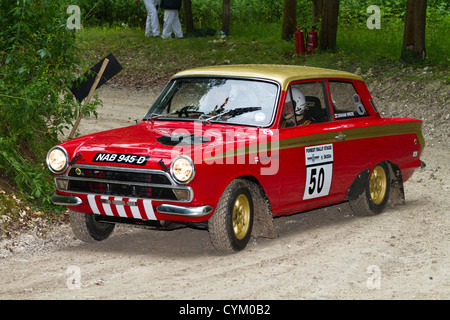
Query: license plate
(135,159)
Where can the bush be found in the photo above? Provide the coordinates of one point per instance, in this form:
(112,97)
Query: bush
(206,13)
(112,12)
(38,59)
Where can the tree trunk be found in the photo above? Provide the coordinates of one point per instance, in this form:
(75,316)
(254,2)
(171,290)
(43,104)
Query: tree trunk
(328,30)
(226,16)
(289,19)
(188,20)
(317,10)
(413,47)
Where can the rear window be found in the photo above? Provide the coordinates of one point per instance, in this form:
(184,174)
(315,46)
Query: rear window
(346,102)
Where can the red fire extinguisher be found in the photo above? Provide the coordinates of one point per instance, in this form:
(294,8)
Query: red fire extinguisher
(299,41)
(312,41)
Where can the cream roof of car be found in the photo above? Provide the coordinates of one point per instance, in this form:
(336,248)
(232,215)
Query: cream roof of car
(283,74)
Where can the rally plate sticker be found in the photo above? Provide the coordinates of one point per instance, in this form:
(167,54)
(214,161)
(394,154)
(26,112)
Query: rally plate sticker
(319,171)
(135,159)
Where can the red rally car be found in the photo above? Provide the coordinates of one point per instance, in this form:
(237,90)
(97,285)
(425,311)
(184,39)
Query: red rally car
(227,148)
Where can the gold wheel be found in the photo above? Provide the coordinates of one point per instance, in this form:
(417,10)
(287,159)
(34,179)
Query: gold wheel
(241,216)
(378,184)
(230,227)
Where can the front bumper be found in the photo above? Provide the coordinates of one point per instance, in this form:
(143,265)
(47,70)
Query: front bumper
(169,209)
(184,211)
(66,200)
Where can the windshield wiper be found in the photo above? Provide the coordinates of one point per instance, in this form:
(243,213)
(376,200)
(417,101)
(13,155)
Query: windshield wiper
(232,113)
(162,115)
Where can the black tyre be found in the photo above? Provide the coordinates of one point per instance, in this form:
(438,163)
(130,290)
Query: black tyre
(231,225)
(376,193)
(87,229)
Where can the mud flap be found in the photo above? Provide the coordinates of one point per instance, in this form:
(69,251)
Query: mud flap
(397,195)
(263,218)
(358,185)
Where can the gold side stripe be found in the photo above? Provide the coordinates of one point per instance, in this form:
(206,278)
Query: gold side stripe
(322,138)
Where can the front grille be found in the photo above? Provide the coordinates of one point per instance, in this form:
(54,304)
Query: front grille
(145,177)
(124,182)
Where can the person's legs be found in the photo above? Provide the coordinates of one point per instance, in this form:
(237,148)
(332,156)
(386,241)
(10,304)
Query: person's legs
(169,16)
(176,26)
(152,23)
(154,19)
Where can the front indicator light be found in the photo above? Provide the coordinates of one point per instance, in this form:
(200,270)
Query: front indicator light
(182,194)
(62,184)
(57,160)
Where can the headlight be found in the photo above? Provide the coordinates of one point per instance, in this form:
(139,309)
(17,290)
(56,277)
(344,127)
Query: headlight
(182,169)
(57,160)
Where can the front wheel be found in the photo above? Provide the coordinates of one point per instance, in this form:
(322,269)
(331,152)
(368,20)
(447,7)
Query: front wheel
(376,192)
(231,225)
(87,229)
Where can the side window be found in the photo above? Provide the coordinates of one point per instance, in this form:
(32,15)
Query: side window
(305,103)
(346,101)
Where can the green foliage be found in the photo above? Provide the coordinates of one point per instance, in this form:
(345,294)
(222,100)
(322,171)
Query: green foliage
(38,61)
(355,39)
(150,60)
(112,12)
(354,11)
(208,13)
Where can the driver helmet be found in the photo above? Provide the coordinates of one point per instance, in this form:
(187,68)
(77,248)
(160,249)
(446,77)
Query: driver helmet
(299,101)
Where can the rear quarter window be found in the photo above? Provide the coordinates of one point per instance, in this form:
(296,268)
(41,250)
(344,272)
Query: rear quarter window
(346,102)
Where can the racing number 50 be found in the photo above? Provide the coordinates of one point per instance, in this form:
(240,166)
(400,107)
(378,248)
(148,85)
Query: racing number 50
(318,180)
(316,183)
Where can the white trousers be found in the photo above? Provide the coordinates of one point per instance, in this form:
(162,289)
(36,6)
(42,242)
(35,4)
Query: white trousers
(171,23)
(152,24)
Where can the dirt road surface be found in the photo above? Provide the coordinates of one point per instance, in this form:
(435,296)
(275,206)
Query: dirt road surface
(322,254)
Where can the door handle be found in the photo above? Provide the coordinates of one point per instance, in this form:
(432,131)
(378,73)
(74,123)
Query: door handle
(340,136)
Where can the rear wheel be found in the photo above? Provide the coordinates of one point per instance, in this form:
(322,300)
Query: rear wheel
(231,225)
(87,229)
(376,192)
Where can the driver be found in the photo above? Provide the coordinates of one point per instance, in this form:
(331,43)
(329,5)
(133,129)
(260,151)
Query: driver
(299,104)
(287,118)
(294,109)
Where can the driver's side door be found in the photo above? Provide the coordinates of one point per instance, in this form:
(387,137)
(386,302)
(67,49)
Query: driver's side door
(307,149)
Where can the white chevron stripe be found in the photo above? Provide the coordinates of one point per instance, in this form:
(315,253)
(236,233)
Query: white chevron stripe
(120,208)
(135,209)
(149,210)
(107,207)
(93,204)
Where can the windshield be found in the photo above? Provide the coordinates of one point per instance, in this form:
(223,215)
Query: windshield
(236,101)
